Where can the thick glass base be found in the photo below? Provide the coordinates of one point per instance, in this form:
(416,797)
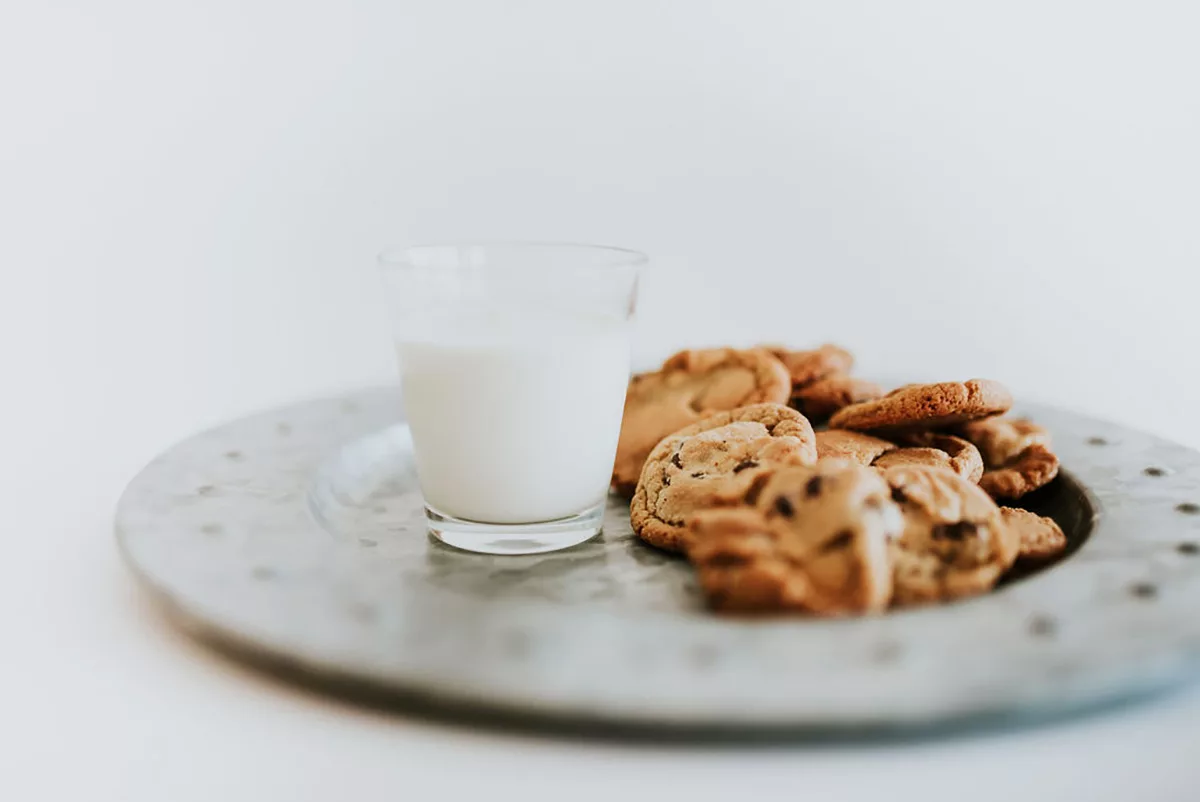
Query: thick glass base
(512,539)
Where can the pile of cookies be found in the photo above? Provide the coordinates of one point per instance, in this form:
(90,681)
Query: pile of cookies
(892,502)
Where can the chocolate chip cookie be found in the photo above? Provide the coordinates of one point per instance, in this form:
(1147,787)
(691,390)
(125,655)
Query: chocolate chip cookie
(1041,539)
(823,397)
(955,453)
(807,539)
(1002,439)
(926,406)
(955,542)
(806,367)
(1016,455)
(854,446)
(1034,467)
(690,386)
(714,462)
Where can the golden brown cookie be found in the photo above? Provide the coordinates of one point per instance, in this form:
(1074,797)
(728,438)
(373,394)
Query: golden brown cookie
(963,457)
(822,398)
(714,462)
(1041,539)
(809,539)
(1001,439)
(901,457)
(689,387)
(1034,467)
(806,367)
(853,446)
(926,406)
(955,542)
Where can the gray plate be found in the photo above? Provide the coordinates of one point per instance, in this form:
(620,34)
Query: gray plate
(297,536)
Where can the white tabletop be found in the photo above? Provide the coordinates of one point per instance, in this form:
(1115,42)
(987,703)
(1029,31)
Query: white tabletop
(191,195)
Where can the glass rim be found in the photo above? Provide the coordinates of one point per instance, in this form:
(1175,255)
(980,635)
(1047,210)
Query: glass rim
(399,256)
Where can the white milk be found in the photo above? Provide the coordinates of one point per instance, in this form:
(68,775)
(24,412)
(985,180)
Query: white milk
(517,427)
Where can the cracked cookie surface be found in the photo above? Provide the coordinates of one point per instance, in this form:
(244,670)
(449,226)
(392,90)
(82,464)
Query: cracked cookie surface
(1033,468)
(811,539)
(955,542)
(1040,538)
(806,367)
(714,462)
(926,406)
(824,397)
(689,387)
(854,446)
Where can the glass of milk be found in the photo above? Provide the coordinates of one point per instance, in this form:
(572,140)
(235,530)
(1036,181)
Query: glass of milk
(514,359)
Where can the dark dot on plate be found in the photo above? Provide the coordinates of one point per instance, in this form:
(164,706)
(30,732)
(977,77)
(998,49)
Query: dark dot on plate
(349,407)
(704,656)
(263,572)
(1097,441)
(379,509)
(1042,626)
(516,643)
(363,612)
(1144,590)
(211,529)
(235,456)
(888,652)
(367,542)
(1154,470)
(284,429)
(1188,508)
(205,490)
(1190,549)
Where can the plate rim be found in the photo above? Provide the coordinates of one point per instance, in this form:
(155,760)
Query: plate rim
(260,647)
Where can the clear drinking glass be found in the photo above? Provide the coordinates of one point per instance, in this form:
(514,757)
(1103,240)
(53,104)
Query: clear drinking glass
(514,359)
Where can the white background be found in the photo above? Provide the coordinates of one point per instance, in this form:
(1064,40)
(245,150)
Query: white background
(191,195)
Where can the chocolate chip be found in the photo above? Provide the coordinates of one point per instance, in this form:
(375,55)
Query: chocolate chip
(755,489)
(666,480)
(1144,590)
(839,541)
(813,487)
(725,560)
(898,495)
(955,531)
(744,464)
(678,463)
(784,507)
(698,475)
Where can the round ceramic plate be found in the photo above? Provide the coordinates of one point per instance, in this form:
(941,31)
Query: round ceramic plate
(297,536)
